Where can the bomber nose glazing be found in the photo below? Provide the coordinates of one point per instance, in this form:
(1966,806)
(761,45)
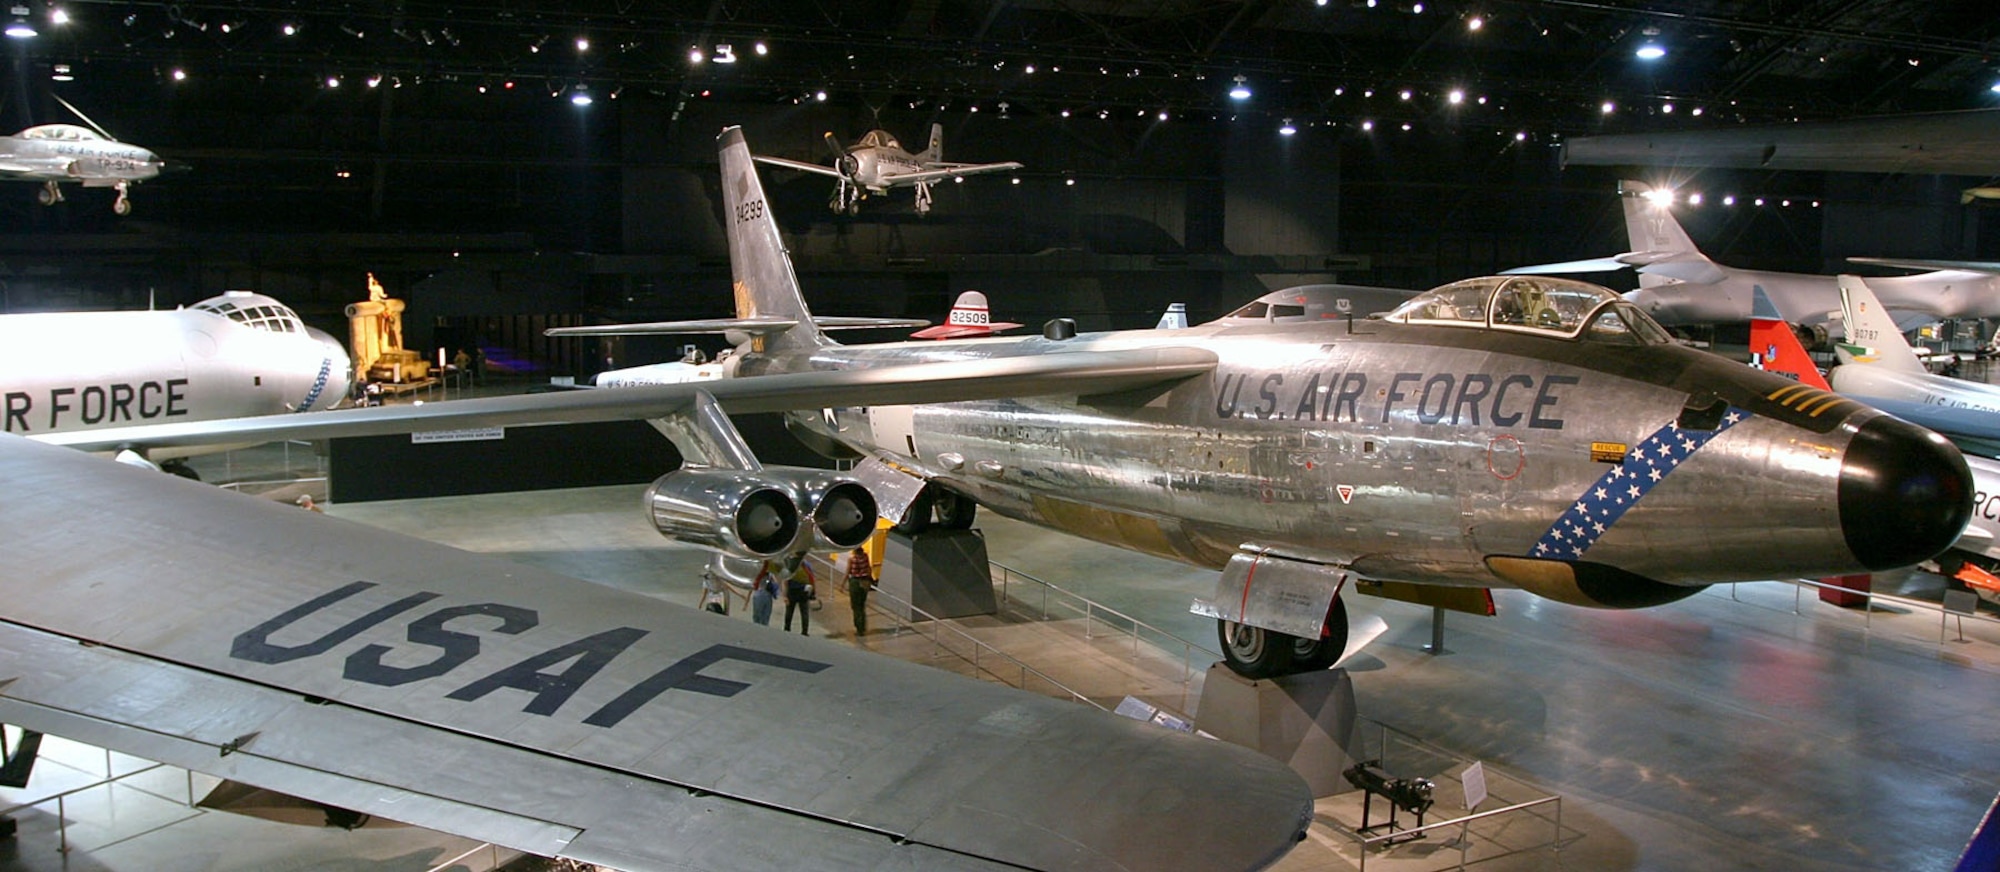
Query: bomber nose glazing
(1905,494)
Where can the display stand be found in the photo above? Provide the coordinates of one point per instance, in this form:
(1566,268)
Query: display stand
(942,572)
(1305,721)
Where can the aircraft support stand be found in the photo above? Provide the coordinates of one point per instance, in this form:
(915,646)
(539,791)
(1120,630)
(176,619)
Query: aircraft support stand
(1436,646)
(943,572)
(1304,720)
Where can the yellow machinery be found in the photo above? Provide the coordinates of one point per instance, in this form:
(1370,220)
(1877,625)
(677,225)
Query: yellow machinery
(375,330)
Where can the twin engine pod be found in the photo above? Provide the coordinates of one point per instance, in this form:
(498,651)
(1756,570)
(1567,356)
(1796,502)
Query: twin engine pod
(757,514)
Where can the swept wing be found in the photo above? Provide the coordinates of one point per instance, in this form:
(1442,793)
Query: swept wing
(1077,372)
(412,681)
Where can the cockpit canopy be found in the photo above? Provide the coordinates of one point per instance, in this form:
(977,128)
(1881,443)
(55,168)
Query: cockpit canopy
(62,132)
(878,139)
(255,311)
(1562,308)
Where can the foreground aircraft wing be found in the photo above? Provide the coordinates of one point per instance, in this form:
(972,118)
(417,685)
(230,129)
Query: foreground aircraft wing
(1685,266)
(801,166)
(934,172)
(1077,372)
(415,682)
(752,326)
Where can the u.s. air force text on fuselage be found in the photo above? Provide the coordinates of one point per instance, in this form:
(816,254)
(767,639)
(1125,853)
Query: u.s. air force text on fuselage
(1456,399)
(54,407)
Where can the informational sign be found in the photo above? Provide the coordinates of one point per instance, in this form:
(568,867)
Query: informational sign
(1961,602)
(474,434)
(1474,781)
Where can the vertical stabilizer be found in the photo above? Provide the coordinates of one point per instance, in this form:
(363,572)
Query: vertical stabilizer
(1174,318)
(1650,226)
(761,269)
(1775,348)
(1872,336)
(935,151)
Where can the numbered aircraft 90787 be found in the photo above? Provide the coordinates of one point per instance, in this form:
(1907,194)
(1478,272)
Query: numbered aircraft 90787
(1498,432)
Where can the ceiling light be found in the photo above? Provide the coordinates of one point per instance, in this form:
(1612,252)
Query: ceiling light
(1163,114)
(820,95)
(1287,129)
(58,16)
(725,53)
(1475,23)
(289,29)
(583,43)
(1667,108)
(1607,107)
(1028,69)
(1455,97)
(1367,125)
(1650,52)
(1694,199)
(1406,127)
(333,81)
(694,54)
(62,74)
(761,48)
(1240,91)
(1403,94)
(19,28)
(1520,136)
(581,97)
(179,74)
(1729,200)
(375,81)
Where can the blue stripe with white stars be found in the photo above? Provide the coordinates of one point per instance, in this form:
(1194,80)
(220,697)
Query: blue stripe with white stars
(1623,486)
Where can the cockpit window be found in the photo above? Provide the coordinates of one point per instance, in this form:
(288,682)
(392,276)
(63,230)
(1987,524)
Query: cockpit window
(1533,304)
(1255,309)
(266,315)
(67,132)
(878,139)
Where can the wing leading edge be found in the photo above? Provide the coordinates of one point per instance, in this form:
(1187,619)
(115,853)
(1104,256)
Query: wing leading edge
(456,691)
(1079,372)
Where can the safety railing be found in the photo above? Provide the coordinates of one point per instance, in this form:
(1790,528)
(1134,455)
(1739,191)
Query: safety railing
(1095,615)
(1403,752)
(985,659)
(1946,618)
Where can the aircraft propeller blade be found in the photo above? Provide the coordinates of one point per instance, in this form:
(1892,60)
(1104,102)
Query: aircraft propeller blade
(842,161)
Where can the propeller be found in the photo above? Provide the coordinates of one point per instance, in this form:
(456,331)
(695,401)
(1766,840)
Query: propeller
(842,160)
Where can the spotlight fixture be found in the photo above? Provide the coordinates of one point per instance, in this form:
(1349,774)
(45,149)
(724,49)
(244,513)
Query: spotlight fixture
(819,96)
(1367,125)
(1240,91)
(694,54)
(59,16)
(581,96)
(61,73)
(1474,23)
(1456,97)
(1607,107)
(19,28)
(179,75)
(582,44)
(725,53)
(761,49)
(333,81)
(289,29)
(1287,129)
(1651,51)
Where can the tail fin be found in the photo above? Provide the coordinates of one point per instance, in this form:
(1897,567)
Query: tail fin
(1775,348)
(765,284)
(1174,318)
(935,152)
(1650,226)
(1872,336)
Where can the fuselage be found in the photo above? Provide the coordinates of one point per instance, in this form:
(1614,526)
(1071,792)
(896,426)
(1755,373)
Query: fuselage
(230,356)
(1422,453)
(67,153)
(1814,299)
(1865,380)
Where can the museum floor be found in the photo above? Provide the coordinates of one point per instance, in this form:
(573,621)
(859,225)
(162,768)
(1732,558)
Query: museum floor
(1751,727)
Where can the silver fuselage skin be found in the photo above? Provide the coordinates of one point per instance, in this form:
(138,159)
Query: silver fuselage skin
(1406,452)
(66,153)
(70,371)
(1813,299)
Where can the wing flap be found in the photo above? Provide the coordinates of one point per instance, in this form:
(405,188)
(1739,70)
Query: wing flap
(1080,372)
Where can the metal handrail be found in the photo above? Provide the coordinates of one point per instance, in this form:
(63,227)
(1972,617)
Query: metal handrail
(1868,609)
(1465,823)
(1091,609)
(939,625)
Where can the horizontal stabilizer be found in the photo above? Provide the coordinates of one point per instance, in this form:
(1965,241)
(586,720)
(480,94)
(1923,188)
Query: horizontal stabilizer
(752,326)
(801,166)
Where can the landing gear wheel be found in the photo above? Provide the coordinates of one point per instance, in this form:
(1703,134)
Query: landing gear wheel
(1254,652)
(1313,655)
(121,206)
(918,519)
(49,195)
(955,510)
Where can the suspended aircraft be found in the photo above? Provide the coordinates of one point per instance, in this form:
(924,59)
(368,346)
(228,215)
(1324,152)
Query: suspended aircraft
(878,163)
(1504,431)
(1679,285)
(57,153)
(386,676)
(229,356)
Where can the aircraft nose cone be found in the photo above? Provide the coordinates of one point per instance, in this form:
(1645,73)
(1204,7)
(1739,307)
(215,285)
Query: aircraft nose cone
(1905,494)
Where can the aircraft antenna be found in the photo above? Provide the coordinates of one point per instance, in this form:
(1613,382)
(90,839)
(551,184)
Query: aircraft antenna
(86,119)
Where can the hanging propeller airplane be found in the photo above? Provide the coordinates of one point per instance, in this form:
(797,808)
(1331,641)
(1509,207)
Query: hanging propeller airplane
(57,153)
(878,163)
(1525,432)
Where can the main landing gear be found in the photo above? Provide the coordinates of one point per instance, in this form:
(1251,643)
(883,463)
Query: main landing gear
(940,506)
(50,194)
(122,205)
(1254,652)
(923,198)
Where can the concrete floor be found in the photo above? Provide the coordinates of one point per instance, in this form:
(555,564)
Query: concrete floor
(1727,731)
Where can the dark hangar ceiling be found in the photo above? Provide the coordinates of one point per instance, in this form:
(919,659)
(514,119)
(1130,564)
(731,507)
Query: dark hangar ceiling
(1543,67)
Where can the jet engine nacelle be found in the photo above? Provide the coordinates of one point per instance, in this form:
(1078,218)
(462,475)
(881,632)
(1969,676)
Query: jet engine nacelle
(758,514)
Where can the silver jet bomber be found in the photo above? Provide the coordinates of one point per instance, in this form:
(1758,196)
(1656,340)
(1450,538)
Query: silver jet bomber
(1521,432)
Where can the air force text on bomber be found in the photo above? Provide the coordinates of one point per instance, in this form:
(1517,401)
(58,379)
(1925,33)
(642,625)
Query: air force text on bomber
(28,411)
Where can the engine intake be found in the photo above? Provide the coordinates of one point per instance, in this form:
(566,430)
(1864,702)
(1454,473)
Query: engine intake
(736,513)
